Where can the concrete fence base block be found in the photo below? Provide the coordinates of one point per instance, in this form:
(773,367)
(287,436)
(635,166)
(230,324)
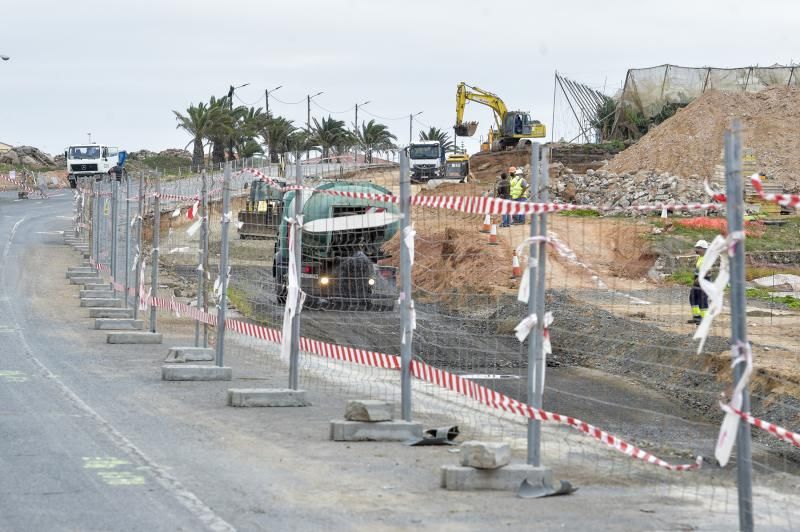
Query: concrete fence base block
(118,324)
(397,430)
(133,338)
(509,478)
(103,293)
(100,302)
(85,280)
(266,397)
(102,312)
(80,272)
(189,372)
(178,355)
(103,286)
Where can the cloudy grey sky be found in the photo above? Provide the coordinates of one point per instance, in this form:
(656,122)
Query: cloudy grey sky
(118,69)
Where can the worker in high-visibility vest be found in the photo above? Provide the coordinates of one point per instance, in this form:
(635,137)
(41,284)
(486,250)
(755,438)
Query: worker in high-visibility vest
(697,297)
(518,186)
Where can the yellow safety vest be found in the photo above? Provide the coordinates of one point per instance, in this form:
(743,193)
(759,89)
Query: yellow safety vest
(516,187)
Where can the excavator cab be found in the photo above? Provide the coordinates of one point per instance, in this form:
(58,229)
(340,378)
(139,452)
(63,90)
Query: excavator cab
(518,124)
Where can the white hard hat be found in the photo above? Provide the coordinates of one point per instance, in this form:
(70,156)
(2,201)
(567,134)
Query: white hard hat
(518,171)
(701,244)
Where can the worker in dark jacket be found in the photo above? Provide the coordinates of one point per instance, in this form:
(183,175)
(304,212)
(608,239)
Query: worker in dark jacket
(503,191)
(697,297)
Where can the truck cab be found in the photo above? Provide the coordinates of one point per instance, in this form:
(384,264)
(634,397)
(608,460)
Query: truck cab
(457,167)
(426,160)
(90,160)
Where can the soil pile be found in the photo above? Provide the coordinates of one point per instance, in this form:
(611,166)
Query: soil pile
(690,142)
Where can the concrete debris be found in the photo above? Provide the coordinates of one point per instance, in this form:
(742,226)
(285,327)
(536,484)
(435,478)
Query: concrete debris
(368,410)
(485,455)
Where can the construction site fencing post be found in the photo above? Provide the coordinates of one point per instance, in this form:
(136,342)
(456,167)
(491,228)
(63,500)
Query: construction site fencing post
(127,240)
(294,352)
(534,426)
(405,296)
(114,213)
(202,252)
(154,259)
(735,205)
(222,306)
(541,257)
(139,247)
(95,221)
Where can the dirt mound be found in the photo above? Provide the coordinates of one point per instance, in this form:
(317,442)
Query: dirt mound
(690,142)
(450,260)
(486,166)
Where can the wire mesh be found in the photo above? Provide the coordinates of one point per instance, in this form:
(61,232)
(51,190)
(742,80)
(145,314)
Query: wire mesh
(622,360)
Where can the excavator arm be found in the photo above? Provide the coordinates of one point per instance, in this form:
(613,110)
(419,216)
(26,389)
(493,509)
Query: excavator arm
(474,94)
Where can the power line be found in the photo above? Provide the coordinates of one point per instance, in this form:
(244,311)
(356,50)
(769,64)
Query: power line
(333,112)
(404,117)
(244,102)
(287,103)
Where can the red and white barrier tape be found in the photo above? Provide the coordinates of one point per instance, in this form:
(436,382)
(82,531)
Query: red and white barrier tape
(777,431)
(480,204)
(427,373)
(787,200)
(19,184)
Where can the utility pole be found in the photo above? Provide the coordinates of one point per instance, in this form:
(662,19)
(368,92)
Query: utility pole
(266,96)
(355,158)
(410,126)
(308,116)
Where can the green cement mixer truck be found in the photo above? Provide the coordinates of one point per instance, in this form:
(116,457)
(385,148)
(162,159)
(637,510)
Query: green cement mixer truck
(342,243)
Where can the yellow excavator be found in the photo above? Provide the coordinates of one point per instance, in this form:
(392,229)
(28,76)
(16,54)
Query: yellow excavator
(512,126)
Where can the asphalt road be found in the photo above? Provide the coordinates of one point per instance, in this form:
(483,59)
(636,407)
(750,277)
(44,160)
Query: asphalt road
(64,465)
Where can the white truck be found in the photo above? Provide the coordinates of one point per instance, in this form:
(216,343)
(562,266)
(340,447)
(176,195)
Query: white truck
(426,160)
(90,160)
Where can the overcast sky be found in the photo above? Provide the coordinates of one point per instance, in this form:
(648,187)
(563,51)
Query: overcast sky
(118,69)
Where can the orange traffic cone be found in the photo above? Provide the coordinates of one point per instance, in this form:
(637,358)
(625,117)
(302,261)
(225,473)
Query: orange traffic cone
(487,224)
(493,235)
(516,269)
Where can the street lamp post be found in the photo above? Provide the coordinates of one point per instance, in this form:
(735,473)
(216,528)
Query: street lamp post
(355,158)
(230,93)
(308,116)
(266,96)
(410,125)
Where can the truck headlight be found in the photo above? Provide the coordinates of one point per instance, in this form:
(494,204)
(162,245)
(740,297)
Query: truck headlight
(324,281)
(371,282)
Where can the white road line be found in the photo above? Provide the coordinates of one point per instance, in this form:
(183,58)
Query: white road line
(11,237)
(188,499)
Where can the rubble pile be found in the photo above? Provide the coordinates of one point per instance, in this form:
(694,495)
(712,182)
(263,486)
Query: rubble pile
(26,156)
(604,188)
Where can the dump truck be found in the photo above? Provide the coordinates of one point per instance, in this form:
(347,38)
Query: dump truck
(342,245)
(426,159)
(92,160)
(263,211)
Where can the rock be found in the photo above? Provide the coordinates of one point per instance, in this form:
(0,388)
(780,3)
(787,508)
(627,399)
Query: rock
(368,410)
(485,455)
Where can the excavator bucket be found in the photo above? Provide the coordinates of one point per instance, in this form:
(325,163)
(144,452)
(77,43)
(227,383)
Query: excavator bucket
(466,129)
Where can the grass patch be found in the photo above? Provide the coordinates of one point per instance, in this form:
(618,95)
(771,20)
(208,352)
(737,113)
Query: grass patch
(763,294)
(683,276)
(763,238)
(238,298)
(581,213)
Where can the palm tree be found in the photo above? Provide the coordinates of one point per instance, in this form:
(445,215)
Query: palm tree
(198,121)
(276,131)
(221,128)
(330,134)
(372,137)
(299,141)
(435,133)
(248,121)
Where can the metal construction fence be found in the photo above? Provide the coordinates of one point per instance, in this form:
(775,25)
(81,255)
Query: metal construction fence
(455,304)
